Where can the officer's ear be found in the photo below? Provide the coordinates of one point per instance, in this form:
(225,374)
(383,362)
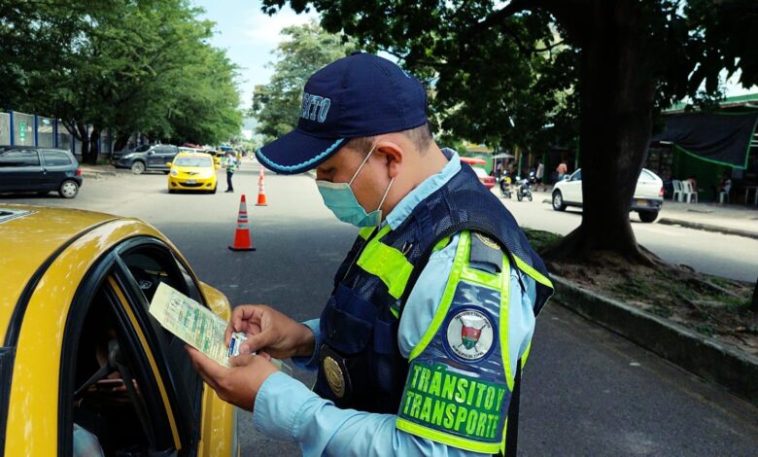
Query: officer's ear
(393,155)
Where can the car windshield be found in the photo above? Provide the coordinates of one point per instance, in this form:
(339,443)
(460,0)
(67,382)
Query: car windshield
(193,162)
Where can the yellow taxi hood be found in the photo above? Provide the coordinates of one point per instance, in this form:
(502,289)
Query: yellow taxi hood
(29,236)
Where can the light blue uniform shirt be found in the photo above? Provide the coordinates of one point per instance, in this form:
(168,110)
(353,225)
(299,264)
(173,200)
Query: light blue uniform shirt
(286,409)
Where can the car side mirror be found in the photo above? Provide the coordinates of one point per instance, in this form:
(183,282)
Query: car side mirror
(566,178)
(168,164)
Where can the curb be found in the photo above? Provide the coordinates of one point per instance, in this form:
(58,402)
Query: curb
(704,356)
(708,227)
(96,174)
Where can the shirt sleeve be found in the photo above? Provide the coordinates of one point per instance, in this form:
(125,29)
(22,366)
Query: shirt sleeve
(286,409)
(311,363)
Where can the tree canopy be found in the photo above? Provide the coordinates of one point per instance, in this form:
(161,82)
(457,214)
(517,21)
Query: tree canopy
(303,50)
(530,72)
(127,66)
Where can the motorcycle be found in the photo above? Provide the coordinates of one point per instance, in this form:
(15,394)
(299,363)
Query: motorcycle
(505,186)
(524,189)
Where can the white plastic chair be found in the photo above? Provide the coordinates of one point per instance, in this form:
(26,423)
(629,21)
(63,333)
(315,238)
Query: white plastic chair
(677,196)
(688,194)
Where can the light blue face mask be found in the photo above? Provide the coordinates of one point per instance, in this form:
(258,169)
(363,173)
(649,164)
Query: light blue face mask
(339,197)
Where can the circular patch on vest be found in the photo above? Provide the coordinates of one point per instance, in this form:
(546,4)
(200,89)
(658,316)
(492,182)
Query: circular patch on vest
(487,241)
(470,334)
(334,376)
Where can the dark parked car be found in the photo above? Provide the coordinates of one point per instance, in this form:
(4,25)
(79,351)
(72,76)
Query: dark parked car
(143,148)
(41,170)
(154,157)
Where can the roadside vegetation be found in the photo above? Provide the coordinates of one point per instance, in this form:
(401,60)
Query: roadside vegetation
(124,66)
(710,305)
(586,75)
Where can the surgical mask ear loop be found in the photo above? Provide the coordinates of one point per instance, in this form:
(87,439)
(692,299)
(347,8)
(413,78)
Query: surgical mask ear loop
(386,192)
(361,166)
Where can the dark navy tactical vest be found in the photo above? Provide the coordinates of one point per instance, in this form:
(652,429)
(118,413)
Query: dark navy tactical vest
(360,363)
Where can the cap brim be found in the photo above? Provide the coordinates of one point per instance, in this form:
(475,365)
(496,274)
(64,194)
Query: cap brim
(297,152)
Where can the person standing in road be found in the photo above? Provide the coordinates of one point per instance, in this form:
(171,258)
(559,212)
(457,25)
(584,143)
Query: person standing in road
(230,164)
(540,174)
(419,349)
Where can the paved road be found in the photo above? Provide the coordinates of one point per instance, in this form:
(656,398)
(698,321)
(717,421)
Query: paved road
(587,392)
(708,252)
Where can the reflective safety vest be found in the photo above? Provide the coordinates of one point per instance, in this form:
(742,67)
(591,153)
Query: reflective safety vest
(460,379)
(361,365)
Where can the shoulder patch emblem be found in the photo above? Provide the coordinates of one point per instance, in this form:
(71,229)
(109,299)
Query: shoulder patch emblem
(470,334)
(487,241)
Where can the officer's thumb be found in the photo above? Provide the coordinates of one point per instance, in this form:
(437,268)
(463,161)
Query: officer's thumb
(254,342)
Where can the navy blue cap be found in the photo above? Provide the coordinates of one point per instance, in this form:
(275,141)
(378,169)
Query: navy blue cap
(356,96)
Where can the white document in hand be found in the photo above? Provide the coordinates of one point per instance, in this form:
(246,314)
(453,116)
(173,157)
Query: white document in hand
(193,323)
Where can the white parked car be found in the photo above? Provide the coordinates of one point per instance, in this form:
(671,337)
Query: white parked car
(647,201)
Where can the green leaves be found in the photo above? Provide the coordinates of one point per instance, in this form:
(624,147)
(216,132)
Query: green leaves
(304,50)
(128,66)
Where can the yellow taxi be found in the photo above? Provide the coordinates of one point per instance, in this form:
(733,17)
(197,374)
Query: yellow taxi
(80,356)
(192,171)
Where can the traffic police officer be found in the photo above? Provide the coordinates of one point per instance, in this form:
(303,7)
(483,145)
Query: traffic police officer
(420,346)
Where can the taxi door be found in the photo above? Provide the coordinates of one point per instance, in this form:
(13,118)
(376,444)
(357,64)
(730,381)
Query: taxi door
(172,413)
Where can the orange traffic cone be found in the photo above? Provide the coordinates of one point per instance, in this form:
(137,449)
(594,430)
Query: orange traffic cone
(242,239)
(261,190)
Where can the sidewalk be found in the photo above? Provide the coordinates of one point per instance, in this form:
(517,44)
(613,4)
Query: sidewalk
(738,220)
(705,356)
(99,171)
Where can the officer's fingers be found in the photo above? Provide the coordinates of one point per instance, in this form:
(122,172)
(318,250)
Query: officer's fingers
(245,313)
(241,360)
(208,368)
(198,364)
(256,342)
(240,315)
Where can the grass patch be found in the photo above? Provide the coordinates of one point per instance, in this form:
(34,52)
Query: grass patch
(712,306)
(541,240)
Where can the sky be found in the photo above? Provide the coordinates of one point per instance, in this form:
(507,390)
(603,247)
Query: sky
(249,37)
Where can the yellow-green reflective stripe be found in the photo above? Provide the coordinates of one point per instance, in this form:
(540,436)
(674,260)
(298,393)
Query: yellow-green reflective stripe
(365,232)
(525,355)
(481,277)
(386,262)
(505,295)
(460,260)
(505,305)
(441,244)
(442,437)
(534,274)
(395,311)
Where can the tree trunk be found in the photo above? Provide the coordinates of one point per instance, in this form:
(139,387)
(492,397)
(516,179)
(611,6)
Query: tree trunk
(83,137)
(94,145)
(616,92)
(122,139)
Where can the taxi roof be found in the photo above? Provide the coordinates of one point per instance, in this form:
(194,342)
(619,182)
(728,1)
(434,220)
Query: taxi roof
(29,235)
(192,154)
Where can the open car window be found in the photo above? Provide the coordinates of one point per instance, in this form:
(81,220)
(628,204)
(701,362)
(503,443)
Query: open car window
(148,265)
(112,397)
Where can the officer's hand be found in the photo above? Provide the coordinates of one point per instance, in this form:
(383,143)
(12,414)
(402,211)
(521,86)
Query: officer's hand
(238,385)
(269,330)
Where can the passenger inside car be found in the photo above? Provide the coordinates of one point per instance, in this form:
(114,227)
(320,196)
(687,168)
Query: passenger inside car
(107,402)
